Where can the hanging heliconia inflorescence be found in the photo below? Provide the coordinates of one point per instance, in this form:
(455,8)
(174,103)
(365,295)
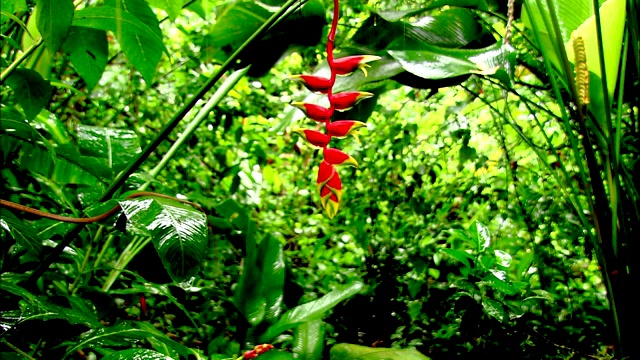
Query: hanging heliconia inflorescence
(329,183)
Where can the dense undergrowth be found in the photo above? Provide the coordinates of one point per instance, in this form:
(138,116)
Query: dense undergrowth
(473,226)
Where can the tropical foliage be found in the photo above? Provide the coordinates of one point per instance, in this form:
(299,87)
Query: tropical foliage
(158,203)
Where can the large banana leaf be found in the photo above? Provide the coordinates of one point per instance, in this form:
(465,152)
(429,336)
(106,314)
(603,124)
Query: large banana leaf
(178,232)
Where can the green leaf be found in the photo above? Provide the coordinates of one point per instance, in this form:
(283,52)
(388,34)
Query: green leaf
(20,232)
(73,168)
(494,309)
(117,146)
(459,255)
(308,340)
(34,151)
(233,212)
(54,18)
(88,51)
(138,354)
(38,307)
(271,256)
(350,351)
(277,355)
(49,122)
(178,231)
(173,8)
(497,280)
(313,310)
(31,91)
(504,259)
(481,235)
(248,296)
(124,332)
(432,62)
(142,44)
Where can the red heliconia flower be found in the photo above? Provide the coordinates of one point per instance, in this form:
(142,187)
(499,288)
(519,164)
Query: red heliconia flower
(343,128)
(325,172)
(313,137)
(337,157)
(346,100)
(251,354)
(314,112)
(335,185)
(261,349)
(329,201)
(314,83)
(348,64)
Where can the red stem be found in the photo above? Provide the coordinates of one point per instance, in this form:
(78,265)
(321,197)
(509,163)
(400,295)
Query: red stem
(330,46)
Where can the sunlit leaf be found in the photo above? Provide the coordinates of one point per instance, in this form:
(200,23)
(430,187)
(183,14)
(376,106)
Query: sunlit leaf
(138,354)
(117,146)
(88,52)
(178,231)
(308,340)
(313,310)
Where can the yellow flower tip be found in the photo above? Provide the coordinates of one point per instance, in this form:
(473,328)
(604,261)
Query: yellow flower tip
(299,105)
(331,208)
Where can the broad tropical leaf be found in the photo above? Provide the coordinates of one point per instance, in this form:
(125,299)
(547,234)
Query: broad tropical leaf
(178,231)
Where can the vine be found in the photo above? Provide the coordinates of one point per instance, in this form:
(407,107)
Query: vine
(328,181)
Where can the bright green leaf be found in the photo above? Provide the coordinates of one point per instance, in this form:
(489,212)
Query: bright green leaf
(88,52)
(54,18)
(351,351)
(172,7)
(117,146)
(138,354)
(308,340)
(313,310)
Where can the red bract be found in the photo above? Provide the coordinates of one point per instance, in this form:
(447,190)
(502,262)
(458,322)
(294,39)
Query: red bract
(251,354)
(261,349)
(346,100)
(328,181)
(325,173)
(343,128)
(314,83)
(337,157)
(348,64)
(313,137)
(314,112)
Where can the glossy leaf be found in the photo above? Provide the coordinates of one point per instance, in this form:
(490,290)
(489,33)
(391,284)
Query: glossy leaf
(20,232)
(53,20)
(494,309)
(138,354)
(313,310)
(178,232)
(141,42)
(308,340)
(117,146)
(430,62)
(276,355)
(351,351)
(125,333)
(88,52)
(39,308)
(52,125)
(31,91)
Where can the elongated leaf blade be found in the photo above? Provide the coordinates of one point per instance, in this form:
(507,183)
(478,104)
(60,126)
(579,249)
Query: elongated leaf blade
(308,341)
(33,151)
(313,310)
(23,234)
(138,354)
(173,8)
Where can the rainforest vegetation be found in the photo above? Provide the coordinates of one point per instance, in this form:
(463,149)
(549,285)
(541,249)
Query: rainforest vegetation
(319,179)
